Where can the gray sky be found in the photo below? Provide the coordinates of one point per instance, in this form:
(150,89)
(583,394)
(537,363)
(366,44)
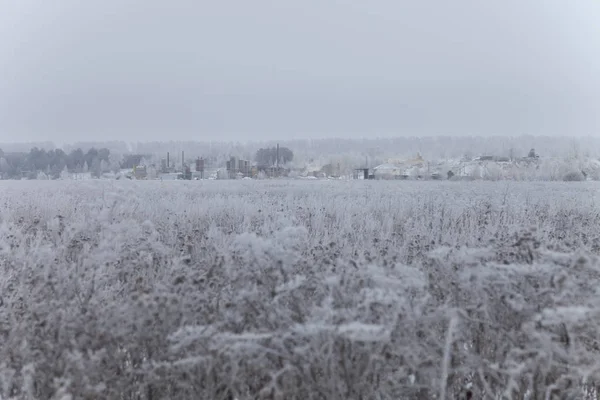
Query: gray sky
(262,69)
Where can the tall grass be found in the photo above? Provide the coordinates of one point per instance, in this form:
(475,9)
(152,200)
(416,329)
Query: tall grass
(298,290)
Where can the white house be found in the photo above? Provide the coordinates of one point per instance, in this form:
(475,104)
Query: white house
(388,171)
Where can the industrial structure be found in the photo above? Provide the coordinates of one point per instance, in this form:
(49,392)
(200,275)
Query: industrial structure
(237,168)
(200,167)
(362,173)
(196,169)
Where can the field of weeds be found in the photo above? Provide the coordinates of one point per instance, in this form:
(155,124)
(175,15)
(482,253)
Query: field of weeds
(299,290)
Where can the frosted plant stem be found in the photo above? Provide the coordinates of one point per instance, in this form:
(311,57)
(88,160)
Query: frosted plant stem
(446,359)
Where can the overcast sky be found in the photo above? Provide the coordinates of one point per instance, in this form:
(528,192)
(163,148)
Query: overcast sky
(262,69)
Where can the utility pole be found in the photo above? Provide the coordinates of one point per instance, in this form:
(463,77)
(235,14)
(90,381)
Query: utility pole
(277,163)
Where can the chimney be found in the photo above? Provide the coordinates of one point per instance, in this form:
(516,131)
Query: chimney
(168,165)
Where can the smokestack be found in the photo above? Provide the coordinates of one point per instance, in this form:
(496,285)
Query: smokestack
(277,156)
(168,165)
(182,162)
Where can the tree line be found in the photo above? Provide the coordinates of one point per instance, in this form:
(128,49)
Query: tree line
(268,156)
(54,162)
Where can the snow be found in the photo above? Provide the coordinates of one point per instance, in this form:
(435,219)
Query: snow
(361,332)
(310,289)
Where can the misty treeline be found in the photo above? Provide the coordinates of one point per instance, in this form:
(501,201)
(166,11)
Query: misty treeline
(430,147)
(54,162)
(293,290)
(272,156)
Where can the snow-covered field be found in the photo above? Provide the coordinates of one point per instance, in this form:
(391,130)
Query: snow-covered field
(299,290)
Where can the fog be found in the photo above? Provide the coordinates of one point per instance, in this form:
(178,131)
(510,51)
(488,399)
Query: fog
(239,70)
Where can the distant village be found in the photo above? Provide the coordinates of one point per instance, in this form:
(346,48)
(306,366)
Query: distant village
(488,167)
(279,162)
(476,168)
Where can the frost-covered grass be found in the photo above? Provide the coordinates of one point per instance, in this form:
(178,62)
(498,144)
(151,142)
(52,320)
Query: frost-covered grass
(299,290)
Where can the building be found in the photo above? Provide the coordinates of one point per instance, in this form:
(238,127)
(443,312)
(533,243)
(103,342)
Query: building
(187,173)
(388,171)
(237,168)
(272,171)
(140,172)
(362,173)
(199,173)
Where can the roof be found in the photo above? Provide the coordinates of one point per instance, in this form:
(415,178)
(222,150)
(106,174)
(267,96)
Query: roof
(387,167)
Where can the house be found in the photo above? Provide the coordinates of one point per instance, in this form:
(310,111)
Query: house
(388,171)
